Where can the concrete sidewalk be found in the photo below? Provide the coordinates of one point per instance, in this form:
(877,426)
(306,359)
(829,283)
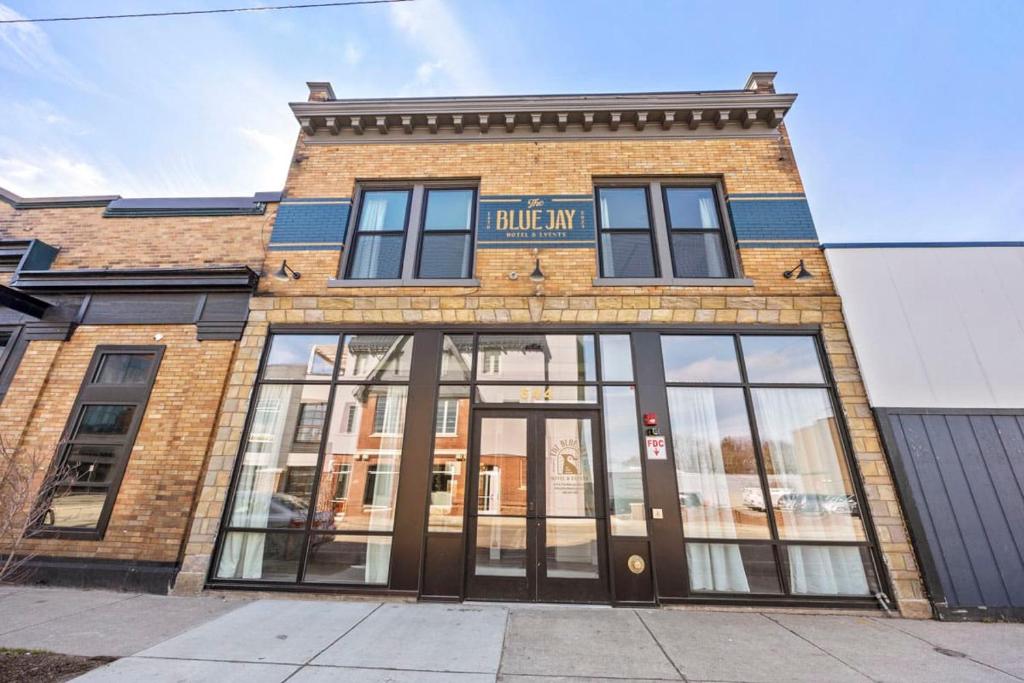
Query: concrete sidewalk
(302,640)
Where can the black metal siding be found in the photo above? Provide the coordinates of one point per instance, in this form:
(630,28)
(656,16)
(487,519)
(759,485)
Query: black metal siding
(961,478)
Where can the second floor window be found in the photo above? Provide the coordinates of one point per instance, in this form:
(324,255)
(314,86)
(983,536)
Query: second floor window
(423,231)
(662,230)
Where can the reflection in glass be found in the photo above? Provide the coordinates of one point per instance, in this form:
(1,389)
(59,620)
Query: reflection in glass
(536,357)
(691,207)
(449,210)
(535,394)
(448,468)
(625,474)
(259,556)
(700,358)
(716,468)
(105,421)
(616,358)
(698,254)
(500,546)
(348,559)
(444,255)
(571,549)
(272,491)
(803,457)
(502,485)
(457,358)
(624,208)
(791,360)
(383,210)
(569,468)
(376,357)
(824,570)
(369,456)
(728,568)
(124,368)
(301,356)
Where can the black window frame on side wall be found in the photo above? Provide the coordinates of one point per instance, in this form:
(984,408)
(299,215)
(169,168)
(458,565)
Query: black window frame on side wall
(10,356)
(423,232)
(727,260)
(412,234)
(93,393)
(661,232)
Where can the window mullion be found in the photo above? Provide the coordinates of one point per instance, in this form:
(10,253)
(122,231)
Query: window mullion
(413,232)
(662,246)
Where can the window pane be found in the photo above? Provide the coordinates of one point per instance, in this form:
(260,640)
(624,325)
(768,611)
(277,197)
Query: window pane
(301,356)
(88,471)
(624,207)
(625,474)
(627,255)
(727,568)
(311,423)
(349,559)
(457,358)
(806,469)
(568,468)
(792,360)
(383,210)
(376,357)
(616,358)
(124,368)
(260,557)
(536,357)
(701,358)
(571,549)
(716,469)
(371,455)
(105,421)
(448,468)
(445,256)
(377,257)
(825,570)
(535,394)
(500,546)
(269,493)
(698,254)
(503,476)
(449,210)
(75,508)
(691,207)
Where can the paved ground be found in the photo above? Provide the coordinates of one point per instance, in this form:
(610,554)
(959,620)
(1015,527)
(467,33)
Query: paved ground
(306,641)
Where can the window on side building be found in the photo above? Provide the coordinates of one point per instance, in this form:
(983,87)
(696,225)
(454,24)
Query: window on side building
(663,231)
(98,440)
(12,347)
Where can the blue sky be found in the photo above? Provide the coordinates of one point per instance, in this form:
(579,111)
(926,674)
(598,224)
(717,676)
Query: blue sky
(904,129)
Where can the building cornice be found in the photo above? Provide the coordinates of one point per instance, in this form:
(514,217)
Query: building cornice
(666,114)
(55,202)
(221,278)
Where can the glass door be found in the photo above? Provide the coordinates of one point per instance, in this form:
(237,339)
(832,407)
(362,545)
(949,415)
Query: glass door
(537,515)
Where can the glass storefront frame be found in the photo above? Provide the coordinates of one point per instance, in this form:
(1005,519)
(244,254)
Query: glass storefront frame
(642,336)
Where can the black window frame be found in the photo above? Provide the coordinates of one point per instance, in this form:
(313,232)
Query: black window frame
(92,393)
(602,230)
(357,234)
(422,231)
(723,242)
(661,233)
(10,356)
(319,426)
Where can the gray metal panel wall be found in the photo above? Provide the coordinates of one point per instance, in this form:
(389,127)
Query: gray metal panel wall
(961,475)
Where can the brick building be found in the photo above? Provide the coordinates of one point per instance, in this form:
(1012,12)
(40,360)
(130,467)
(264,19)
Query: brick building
(559,348)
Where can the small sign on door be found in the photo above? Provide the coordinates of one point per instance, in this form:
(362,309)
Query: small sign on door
(656,448)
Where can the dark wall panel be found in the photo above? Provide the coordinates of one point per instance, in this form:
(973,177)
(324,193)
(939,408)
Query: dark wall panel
(961,476)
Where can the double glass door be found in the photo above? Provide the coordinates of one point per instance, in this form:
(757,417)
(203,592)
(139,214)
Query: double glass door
(537,513)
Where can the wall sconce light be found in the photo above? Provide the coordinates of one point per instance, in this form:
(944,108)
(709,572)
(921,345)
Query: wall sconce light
(537,275)
(286,272)
(798,273)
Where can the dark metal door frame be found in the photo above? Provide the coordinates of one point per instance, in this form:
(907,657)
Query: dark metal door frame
(535,586)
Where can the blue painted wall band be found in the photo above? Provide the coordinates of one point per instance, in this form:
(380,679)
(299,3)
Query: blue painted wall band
(311,224)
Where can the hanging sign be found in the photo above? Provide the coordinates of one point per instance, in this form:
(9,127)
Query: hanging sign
(656,448)
(536,221)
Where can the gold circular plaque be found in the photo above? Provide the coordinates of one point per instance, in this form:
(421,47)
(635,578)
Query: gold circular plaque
(636,564)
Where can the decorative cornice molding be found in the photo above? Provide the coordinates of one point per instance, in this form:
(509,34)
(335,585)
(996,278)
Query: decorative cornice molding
(747,112)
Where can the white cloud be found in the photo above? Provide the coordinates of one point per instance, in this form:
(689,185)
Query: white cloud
(25,48)
(49,170)
(454,61)
(353,54)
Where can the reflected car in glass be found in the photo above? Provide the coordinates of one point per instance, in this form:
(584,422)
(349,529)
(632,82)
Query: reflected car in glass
(290,512)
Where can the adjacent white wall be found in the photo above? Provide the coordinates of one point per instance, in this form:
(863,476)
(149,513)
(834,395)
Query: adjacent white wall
(935,327)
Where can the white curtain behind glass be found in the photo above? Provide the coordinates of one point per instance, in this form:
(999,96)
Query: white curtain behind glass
(700,467)
(708,215)
(796,427)
(372,218)
(242,556)
(385,485)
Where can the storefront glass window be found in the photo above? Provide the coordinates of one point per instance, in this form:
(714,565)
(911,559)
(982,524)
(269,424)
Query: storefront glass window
(448,469)
(536,358)
(457,358)
(300,357)
(700,359)
(616,358)
(622,455)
